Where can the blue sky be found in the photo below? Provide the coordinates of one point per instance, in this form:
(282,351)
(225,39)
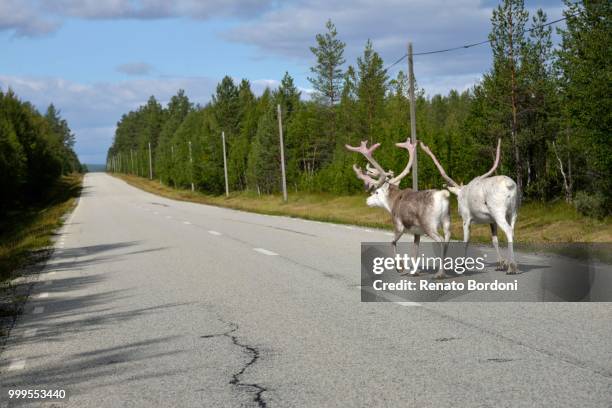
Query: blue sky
(97,59)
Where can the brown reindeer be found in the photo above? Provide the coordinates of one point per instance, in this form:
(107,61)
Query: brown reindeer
(415,212)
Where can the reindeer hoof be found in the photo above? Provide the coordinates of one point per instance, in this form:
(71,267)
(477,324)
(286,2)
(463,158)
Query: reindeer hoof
(512,269)
(502,265)
(440,275)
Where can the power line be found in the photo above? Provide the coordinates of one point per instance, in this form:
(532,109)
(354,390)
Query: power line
(461,47)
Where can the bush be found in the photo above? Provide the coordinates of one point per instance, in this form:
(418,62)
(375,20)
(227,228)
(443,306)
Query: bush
(592,205)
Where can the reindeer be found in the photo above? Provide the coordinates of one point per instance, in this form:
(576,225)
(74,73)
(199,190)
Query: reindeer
(416,212)
(486,200)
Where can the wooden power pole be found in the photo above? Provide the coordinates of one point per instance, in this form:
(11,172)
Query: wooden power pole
(150,163)
(282,151)
(225,165)
(191,166)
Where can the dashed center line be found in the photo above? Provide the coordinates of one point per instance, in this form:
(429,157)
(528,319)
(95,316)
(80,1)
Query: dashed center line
(38,310)
(168,216)
(214,232)
(408,304)
(186,223)
(43,295)
(265,251)
(17,365)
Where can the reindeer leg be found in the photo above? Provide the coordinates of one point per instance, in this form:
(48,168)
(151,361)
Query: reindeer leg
(399,231)
(466,235)
(501,263)
(436,237)
(512,267)
(415,252)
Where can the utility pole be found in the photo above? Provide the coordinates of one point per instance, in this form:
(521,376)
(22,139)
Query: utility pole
(191,165)
(413,136)
(282,151)
(150,163)
(225,165)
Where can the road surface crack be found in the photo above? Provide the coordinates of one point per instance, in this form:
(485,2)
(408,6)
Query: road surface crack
(254,355)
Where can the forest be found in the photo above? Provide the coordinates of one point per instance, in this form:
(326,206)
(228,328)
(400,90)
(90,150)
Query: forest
(35,150)
(549,104)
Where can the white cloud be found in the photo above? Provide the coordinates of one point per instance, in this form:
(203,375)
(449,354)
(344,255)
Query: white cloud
(135,68)
(30,18)
(24,21)
(92,109)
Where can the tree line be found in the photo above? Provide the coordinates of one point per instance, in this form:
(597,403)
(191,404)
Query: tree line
(35,150)
(549,105)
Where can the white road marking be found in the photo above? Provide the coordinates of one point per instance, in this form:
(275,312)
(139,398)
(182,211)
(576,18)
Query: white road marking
(186,223)
(408,304)
(17,364)
(30,333)
(38,310)
(52,273)
(265,251)
(392,298)
(168,216)
(350,228)
(48,283)
(389,234)
(214,232)
(43,295)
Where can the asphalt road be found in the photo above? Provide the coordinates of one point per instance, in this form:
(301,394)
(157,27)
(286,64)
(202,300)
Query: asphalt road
(152,302)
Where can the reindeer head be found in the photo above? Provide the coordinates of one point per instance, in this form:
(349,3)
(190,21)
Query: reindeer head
(384,182)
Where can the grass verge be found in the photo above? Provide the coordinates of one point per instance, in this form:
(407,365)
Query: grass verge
(26,231)
(537,222)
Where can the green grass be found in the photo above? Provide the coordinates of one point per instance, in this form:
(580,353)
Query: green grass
(26,230)
(537,222)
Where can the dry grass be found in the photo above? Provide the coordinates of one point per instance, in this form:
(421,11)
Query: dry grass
(29,229)
(537,222)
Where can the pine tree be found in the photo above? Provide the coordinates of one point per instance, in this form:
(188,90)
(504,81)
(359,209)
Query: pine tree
(507,42)
(371,90)
(327,80)
(585,82)
(328,73)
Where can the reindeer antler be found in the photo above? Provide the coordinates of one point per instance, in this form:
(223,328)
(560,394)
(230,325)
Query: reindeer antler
(439,166)
(367,180)
(371,171)
(497,156)
(367,153)
(410,147)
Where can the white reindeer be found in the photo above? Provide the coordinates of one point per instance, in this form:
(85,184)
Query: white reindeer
(416,212)
(487,200)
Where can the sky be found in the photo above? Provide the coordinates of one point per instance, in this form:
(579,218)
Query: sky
(98,59)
